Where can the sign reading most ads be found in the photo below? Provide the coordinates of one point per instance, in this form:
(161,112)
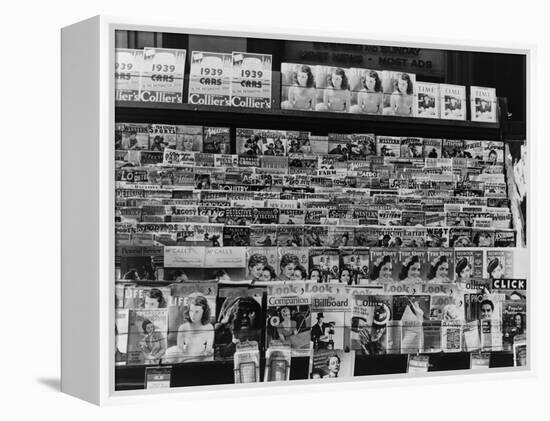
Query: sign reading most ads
(429,62)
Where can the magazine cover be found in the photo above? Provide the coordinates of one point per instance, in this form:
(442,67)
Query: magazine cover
(414,237)
(482,306)
(354,266)
(251,80)
(157,377)
(177,158)
(262,264)
(277,361)
(452,148)
(340,236)
(505,238)
(316,236)
(452,102)
(288,316)
(293,264)
(388,146)
(290,235)
(384,264)
(162,136)
(132,136)
(493,152)
(468,264)
(210,79)
(384,237)
(338,145)
(398,93)
(520,351)
(225,257)
(451,335)
(235,235)
(292,216)
(273,142)
(189,138)
(330,321)
(367,94)
(147,297)
(239,319)
(327,364)
(432,334)
(432,148)
(128,64)
(249,142)
(440,265)
(333,89)
(411,310)
(247,362)
(483,104)
(474,149)
(412,265)
(514,323)
(298,87)
(370,323)
(491,334)
(191,317)
(121,335)
(216,140)
(324,264)
(263,235)
(147,336)
(223,160)
(183,257)
(411,147)
(426,100)
(460,237)
(162,75)
(499,263)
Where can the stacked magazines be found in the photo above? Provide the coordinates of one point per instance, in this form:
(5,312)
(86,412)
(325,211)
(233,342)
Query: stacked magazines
(303,245)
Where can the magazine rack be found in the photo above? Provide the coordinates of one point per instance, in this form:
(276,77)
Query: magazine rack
(89,113)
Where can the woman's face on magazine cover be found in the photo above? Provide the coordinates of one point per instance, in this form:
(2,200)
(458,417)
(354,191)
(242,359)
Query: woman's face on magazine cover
(442,270)
(337,81)
(370,83)
(195,313)
(497,272)
(345,277)
(402,86)
(297,275)
(187,143)
(266,276)
(288,270)
(414,271)
(315,275)
(386,270)
(256,270)
(150,328)
(151,302)
(466,272)
(302,78)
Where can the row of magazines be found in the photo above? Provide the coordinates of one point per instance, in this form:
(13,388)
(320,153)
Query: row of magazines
(347,265)
(208,321)
(241,79)
(270,142)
